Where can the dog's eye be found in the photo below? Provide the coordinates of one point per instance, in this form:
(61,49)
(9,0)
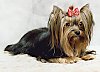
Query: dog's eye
(80,24)
(67,24)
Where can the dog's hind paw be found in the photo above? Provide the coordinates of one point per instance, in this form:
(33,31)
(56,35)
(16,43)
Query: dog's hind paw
(41,60)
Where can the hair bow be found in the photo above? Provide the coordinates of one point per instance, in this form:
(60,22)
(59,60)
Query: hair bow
(72,12)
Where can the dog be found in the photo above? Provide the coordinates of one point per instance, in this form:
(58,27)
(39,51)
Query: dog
(64,40)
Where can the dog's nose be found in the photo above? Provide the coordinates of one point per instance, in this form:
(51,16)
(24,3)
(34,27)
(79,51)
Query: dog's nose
(77,32)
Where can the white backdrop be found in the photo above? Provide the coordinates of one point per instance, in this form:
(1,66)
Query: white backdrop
(19,16)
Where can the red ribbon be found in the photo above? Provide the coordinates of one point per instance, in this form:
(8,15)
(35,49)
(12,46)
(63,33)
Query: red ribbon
(72,12)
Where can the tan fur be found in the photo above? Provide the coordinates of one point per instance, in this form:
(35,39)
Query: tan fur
(87,18)
(54,22)
(72,45)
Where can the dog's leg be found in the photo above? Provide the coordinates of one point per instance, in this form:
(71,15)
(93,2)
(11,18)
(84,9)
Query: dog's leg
(91,52)
(42,59)
(16,49)
(68,60)
(13,49)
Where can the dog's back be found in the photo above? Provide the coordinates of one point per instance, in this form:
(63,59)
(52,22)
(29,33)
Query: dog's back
(28,41)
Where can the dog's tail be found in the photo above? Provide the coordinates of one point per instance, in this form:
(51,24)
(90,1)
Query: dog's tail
(14,49)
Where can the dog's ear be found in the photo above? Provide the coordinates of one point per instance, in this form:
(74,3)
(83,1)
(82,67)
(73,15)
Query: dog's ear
(55,9)
(85,6)
(54,24)
(87,19)
(56,12)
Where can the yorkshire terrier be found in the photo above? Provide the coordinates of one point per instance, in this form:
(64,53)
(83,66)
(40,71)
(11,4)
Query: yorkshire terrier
(65,40)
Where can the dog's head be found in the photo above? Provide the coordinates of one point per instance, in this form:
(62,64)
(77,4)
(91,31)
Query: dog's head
(72,32)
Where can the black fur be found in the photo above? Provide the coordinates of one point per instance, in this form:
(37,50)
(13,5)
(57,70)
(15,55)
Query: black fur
(36,43)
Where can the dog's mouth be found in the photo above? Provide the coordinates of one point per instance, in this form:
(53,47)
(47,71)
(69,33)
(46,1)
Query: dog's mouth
(76,36)
(75,40)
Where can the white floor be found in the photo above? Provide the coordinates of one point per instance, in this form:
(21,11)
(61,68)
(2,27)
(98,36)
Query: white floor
(25,63)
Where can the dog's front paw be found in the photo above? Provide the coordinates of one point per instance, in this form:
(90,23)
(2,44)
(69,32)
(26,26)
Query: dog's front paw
(57,60)
(68,60)
(71,60)
(91,52)
(88,57)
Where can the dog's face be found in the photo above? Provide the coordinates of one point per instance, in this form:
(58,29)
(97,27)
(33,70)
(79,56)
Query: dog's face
(72,32)
(73,35)
(74,28)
